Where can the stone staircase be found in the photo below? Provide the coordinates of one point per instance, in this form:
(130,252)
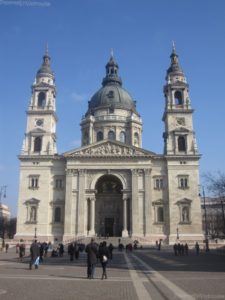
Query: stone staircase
(113,240)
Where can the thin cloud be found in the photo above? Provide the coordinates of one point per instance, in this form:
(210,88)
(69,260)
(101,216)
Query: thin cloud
(79,97)
(76,143)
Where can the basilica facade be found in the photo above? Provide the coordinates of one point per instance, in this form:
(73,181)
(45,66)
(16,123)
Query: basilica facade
(110,186)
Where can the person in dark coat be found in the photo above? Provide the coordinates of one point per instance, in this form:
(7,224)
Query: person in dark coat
(76,250)
(92,251)
(110,247)
(71,251)
(104,256)
(34,254)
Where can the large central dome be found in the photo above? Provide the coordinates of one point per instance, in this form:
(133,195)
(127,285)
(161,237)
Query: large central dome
(112,94)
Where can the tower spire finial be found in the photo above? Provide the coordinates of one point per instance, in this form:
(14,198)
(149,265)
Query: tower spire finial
(111,53)
(46,49)
(173,45)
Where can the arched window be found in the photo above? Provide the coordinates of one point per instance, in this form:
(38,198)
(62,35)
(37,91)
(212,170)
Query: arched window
(178,98)
(57,214)
(122,137)
(181,143)
(41,99)
(37,144)
(99,136)
(111,135)
(136,139)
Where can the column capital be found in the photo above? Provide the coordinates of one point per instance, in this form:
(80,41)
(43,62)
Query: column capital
(82,172)
(137,172)
(71,172)
(148,171)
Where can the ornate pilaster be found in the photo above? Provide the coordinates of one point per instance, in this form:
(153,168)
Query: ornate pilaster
(81,197)
(134,204)
(70,205)
(147,205)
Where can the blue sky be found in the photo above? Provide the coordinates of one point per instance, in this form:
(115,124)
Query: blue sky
(80,34)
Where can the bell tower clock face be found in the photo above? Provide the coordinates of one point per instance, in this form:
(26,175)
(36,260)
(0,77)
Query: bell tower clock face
(39,122)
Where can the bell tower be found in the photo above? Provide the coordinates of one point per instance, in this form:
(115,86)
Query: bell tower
(40,136)
(179,136)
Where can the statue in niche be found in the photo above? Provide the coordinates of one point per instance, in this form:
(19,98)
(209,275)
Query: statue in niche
(185,214)
(33,214)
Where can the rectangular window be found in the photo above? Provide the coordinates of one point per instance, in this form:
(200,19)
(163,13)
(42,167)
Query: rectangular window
(59,183)
(158,183)
(183,182)
(34,181)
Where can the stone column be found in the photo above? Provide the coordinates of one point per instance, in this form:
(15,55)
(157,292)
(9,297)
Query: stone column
(125,232)
(134,204)
(147,201)
(92,215)
(81,200)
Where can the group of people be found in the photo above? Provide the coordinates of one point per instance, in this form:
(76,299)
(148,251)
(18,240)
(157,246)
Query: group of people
(180,249)
(95,252)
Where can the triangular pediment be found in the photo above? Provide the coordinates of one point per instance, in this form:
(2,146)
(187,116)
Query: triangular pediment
(108,148)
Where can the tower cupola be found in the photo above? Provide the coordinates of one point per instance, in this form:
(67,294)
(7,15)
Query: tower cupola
(174,66)
(45,70)
(111,73)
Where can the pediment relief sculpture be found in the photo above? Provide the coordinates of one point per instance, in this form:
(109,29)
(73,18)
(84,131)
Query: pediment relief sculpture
(108,149)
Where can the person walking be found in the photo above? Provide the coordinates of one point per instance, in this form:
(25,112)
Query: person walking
(34,254)
(21,251)
(104,256)
(197,248)
(92,251)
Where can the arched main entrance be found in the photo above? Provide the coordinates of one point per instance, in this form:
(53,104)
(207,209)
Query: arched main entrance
(109,206)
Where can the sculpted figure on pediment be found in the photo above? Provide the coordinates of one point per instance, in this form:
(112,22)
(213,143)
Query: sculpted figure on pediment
(108,149)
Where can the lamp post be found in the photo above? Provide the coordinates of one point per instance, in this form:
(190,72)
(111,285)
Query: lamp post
(2,216)
(206,223)
(35,233)
(221,201)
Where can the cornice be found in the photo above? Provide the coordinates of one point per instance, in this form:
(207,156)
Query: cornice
(183,157)
(41,157)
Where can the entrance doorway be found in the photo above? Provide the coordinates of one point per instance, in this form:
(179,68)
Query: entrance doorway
(109,206)
(109,222)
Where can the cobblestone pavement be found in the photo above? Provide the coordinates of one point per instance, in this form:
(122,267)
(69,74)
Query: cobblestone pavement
(143,274)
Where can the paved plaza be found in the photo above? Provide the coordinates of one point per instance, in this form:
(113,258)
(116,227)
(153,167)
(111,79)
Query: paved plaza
(142,274)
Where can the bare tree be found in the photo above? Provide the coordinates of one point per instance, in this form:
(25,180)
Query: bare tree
(216,185)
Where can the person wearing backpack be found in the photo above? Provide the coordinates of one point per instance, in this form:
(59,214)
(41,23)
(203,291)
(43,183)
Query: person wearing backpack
(104,256)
